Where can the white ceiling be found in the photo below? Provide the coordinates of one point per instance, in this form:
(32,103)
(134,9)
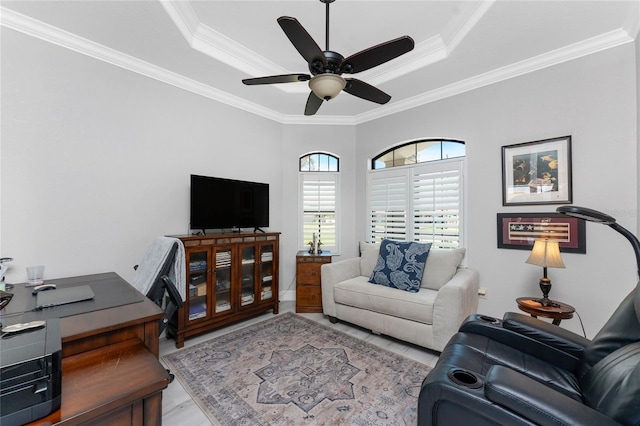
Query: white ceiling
(209,46)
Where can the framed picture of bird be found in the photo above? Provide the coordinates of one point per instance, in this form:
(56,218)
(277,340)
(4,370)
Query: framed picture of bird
(537,172)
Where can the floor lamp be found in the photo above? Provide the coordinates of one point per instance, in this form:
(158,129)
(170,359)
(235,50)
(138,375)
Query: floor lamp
(605,219)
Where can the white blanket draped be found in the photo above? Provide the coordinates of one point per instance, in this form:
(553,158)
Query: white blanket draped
(153,261)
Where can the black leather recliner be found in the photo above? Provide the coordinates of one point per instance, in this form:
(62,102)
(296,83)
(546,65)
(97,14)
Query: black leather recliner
(524,371)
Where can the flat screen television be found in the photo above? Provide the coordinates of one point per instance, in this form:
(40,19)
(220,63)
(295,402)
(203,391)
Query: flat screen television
(218,203)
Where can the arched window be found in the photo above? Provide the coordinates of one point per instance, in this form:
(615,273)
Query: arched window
(319,162)
(415,193)
(421,151)
(319,189)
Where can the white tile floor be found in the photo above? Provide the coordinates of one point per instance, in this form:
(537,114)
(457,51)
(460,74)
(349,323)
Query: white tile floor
(179,409)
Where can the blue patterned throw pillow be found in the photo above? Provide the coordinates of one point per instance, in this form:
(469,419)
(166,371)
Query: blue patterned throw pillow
(400,265)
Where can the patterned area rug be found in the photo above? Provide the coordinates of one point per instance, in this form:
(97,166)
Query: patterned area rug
(289,370)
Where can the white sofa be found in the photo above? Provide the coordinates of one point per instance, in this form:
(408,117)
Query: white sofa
(448,294)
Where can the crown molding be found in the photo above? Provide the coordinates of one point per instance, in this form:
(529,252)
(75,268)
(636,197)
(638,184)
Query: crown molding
(54,35)
(51,34)
(320,120)
(633,23)
(453,35)
(429,51)
(568,53)
(212,43)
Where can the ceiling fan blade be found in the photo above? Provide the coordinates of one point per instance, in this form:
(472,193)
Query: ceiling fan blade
(366,91)
(313,104)
(301,40)
(272,79)
(377,55)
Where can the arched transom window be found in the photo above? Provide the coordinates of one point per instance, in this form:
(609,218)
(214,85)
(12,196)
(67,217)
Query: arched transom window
(319,189)
(416,152)
(415,193)
(319,162)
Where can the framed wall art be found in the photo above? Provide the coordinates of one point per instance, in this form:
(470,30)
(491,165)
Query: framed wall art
(520,230)
(537,172)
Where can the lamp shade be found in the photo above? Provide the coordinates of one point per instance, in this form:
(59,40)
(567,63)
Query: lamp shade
(546,253)
(327,86)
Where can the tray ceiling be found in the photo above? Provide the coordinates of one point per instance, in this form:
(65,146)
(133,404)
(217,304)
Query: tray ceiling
(209,46)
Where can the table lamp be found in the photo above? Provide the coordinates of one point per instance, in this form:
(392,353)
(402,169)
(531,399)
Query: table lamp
(546,253)
(605,219)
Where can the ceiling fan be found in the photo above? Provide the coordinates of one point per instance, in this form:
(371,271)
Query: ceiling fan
(327,66)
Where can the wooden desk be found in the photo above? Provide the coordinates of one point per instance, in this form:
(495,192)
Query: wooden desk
(118,384)
(110,369)
(535,309)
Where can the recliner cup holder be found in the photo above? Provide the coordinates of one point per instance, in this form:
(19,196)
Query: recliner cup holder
(489,319)
(464,378)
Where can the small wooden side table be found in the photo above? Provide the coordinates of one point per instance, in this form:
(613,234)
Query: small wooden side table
(531,306)
(308,286)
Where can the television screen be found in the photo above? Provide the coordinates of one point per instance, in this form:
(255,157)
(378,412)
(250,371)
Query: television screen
(218,203)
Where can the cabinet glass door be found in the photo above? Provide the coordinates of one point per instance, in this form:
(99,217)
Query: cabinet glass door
(223,280)
(266,271)
(198,271)
(248,275)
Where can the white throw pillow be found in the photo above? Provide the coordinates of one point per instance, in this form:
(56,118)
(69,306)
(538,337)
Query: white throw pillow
(441,267)
(368,257)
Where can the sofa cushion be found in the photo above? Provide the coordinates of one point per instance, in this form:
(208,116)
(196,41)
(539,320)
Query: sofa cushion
(368,257)
(400,264)
(359,293)
(441,266)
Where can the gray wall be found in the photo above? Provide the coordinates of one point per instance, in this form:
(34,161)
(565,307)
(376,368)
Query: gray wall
(95,162)
(96,159)
(299,140)
(594,100)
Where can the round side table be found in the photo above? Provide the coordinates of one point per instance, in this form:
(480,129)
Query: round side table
(531,306)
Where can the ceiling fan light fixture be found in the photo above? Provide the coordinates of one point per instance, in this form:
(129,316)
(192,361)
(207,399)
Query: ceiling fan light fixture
(326,66)
(327,86)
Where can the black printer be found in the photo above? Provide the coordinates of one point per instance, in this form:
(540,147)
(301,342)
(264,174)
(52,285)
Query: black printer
(30,373)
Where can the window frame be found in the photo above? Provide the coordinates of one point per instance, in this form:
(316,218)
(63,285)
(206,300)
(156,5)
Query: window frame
(405,227)
(320,175)
(415,143)
(329,156)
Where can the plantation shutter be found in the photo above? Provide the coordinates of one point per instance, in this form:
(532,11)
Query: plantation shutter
(388,205)
(319,210)
(437,195)
(431,213)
